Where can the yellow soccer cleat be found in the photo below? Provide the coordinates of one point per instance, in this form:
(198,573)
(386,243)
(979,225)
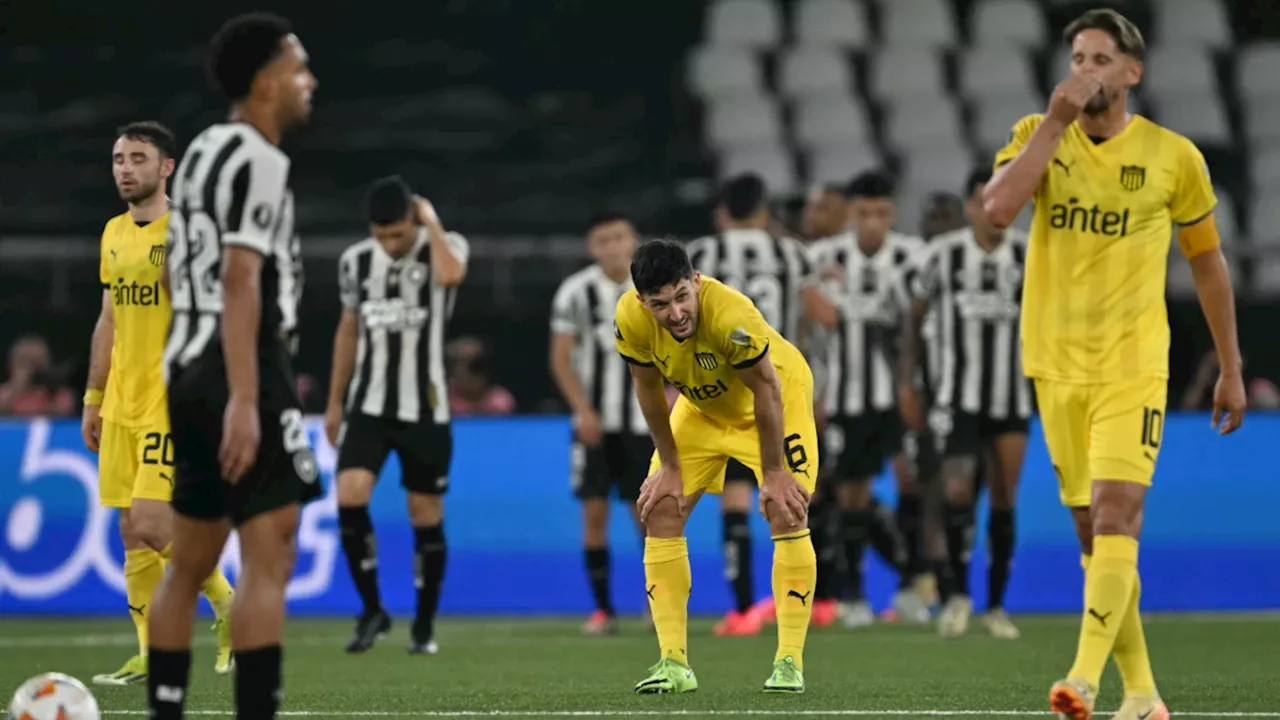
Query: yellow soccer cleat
(1072,699)
(1142,707)
(134,671)
(226,661)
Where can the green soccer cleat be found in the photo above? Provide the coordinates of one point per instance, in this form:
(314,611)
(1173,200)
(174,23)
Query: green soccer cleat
(134,671)
(226,661)
(786,677)
(668,676)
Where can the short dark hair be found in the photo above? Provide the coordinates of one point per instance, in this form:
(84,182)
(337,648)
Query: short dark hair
(743,196)
(870,184)
(659,263)
(1127,36)
(388,200)
(150,131)
(241,48)
(979,176)
(606,216)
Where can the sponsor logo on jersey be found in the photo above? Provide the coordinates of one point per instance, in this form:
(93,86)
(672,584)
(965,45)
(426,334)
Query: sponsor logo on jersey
(699,393)
(135,294)
(1094,219)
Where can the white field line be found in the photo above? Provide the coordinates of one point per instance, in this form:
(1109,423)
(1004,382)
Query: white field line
(680,713)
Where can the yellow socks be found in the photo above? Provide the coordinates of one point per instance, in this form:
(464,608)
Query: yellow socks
(795,572)
(667,582)
(217,589)
(143,570)
(1130,650)
(1109,585)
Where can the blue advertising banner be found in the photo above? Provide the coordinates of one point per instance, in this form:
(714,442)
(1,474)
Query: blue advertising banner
(514,529)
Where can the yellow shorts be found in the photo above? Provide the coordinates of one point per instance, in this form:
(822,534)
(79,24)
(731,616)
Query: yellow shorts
(1105,431)
(134,463)
(706,445)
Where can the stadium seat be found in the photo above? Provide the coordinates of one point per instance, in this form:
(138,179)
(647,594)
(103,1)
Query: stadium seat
(1266,275)
(743,120)
(839,163)
(831,120)
(1199,116)
(995,72)
(1264,216)
(1000,23)
(1258,70)
(1182,23)
(806,71)
(905,72)
(718,72)
(1226,217)
(771,162)
(924,120)
(1264,175)
(832,22)
(1170,70)
(743,23)
(917,24)
(1262,121)
(936,164)
(993,119)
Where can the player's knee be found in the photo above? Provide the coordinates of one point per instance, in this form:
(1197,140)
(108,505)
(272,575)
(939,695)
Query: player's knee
(595,519)
(664,520)
(1083,521)
(355,488)
(1116,507)
(127,534)
(854,494)
(151,523)
(736,497)
(425,510)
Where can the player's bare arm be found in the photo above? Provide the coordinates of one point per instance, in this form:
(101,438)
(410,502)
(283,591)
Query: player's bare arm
(586,422)
(344,363)
(242,314)
(450,270)
(1217,301)
(104,333)
(777,486)
(910,405)
(666,482)
(819,308)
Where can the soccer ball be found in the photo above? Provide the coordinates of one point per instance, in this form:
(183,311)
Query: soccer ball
(53,696)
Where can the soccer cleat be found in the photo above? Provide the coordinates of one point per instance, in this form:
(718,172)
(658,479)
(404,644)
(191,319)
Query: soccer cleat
(423,647)
(1072,699)
(226,661)
(908,608)
(668,676)
(999,625)
(786,677)
(953,621)
(825,612)
(134,671)
(1141,707)
(926,588)
(856,615)
(600,623)
(738,624)
(369,627)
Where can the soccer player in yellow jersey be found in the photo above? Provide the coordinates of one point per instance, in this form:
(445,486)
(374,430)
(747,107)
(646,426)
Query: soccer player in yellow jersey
(126,418)
(1109,188)
(745,393)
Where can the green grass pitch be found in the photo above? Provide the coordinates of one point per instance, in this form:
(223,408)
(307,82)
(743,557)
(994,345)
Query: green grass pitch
(1209,666)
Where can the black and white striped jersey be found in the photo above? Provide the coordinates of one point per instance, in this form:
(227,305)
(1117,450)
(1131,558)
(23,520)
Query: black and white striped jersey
(770,270)
(978,297)
(871,295)
(583,308)
(403,315)
(231,190)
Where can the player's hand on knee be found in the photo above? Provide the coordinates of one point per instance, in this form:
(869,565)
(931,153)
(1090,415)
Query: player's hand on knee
(241,433)
(664,483)
(787,494)
(1228,399)
(91,426)
(587,426)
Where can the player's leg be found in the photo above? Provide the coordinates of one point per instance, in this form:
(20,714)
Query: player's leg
(591,485)
(910,511)
(426,452)
(822,526)
(957,435)
(143,566)
(1004,456)
(635,468)
(735,506)
(907,603)
(858,460)
(363,447)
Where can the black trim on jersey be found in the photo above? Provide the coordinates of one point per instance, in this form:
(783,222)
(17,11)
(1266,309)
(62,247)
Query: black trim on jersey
(752,362)
(1200,219)
(364,263)
(239,196)
(210,200)
(593,302)
(634,361)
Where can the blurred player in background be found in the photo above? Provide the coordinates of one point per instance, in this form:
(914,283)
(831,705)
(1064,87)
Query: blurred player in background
(612,445)
(775,273)
(746,393)
(865,270)
(981,405)
(241,453)
(388,393)
(126,419)
(1108,187)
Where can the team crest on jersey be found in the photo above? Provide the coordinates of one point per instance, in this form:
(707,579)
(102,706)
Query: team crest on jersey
(1133,177)
(415,274)
(262,215)
(706,361)
(157,255)
(740,336)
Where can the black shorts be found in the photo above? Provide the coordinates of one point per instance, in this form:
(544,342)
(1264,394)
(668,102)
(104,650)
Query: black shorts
(863,443)
(735,471)
(958,433)
(425,450)
(621,461)
(285,471)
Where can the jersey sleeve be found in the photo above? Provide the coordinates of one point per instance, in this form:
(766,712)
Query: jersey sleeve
(348,283)
(924,274)
(102,257)
(258,190)
(1193,198)
(564,311)
(459,246)
(806,269)
(742,332)
(1018,138)
(632,334)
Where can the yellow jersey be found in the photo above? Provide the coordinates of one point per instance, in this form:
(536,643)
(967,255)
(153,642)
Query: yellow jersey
(131,265)
(1093,305)
(731,335)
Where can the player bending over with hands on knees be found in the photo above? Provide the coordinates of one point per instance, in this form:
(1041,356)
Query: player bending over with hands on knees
(1108,187)
(745,393)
